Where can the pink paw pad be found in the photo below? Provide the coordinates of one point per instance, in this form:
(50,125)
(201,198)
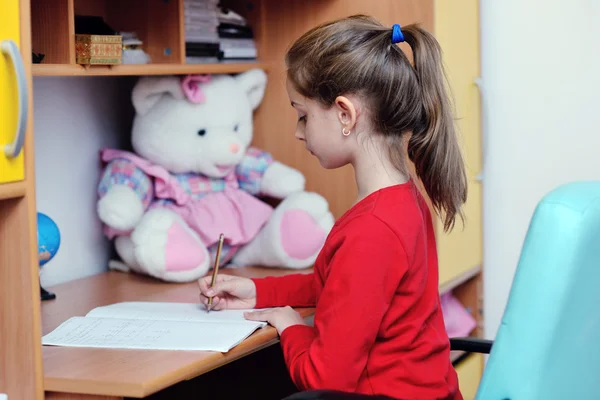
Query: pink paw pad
(183,251)
(301,236)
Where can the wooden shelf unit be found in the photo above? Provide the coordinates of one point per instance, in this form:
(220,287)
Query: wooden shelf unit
(158,23)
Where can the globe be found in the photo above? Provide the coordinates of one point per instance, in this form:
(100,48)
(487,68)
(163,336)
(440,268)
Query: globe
(48,238)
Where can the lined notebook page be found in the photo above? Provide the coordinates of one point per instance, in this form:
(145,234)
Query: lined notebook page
(166,311)
(155,325)
(149,334)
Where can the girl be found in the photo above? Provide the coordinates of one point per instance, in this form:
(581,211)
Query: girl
(378,326)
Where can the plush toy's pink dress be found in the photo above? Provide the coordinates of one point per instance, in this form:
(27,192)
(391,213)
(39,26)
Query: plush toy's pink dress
(210,206)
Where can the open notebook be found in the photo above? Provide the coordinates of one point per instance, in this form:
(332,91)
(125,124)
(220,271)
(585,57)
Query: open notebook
(152,325)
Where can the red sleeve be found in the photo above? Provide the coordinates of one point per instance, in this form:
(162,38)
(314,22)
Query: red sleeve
(296,290)
(363,274)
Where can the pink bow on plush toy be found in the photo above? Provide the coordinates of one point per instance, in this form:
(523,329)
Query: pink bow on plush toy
(191,87)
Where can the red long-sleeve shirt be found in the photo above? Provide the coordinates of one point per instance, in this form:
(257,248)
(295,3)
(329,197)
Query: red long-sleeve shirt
(378,325)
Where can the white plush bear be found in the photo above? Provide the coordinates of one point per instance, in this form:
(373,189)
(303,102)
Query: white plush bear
(194,176)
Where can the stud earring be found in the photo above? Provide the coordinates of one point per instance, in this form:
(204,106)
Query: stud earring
(345,133)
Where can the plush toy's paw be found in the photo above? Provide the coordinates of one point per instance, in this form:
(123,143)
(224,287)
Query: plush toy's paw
(294,235)
(304,226)
(280,181)
(166,248)
(126,250)
(121,208)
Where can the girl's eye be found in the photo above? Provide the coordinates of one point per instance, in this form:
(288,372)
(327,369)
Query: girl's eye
(302,118)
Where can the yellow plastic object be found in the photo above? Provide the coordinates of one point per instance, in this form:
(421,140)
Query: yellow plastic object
(11,169)
(469,375)
(456,27)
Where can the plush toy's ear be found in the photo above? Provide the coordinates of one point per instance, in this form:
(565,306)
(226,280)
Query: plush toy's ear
(254,83)
(149,89)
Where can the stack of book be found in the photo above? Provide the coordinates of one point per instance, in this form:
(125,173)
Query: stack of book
(201,36)
(236,39)
(213,33)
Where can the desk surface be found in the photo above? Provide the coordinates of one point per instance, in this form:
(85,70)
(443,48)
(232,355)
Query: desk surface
(125,372)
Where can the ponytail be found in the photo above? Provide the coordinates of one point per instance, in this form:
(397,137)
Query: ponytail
(433,146)
(357,55)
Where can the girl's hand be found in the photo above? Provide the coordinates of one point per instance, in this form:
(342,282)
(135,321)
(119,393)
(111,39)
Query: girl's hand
(229,292)
(281,318)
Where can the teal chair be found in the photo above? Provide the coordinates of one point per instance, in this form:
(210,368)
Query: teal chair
(548,344)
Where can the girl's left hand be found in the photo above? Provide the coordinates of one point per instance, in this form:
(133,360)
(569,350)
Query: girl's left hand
(281,317)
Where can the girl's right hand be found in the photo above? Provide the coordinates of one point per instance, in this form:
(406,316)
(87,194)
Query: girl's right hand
(229,292)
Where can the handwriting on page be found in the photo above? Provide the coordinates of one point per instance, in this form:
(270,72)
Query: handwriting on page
(147,334)
(111,332)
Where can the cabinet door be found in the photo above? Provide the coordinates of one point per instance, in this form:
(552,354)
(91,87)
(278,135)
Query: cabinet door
(457,30)
(469,371)
(13,95)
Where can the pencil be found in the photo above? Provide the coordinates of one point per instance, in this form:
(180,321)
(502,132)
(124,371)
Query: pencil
(216,268)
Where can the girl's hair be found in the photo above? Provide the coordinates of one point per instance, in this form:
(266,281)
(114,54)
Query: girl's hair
(355,55)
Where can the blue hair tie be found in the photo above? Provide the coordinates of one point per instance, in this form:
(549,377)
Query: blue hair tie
(397,35)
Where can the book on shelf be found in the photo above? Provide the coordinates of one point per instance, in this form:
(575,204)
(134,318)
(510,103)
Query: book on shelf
(213,33)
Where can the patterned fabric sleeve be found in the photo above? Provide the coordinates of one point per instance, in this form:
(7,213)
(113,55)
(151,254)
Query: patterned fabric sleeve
(251,170)
(124,172)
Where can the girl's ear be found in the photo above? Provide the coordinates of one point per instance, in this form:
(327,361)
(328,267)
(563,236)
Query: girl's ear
(346,112)
(149,90)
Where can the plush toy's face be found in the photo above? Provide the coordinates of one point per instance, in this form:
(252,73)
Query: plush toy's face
(208,137)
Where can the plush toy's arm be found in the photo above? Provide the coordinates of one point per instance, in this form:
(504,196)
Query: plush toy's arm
(259,174)
(125,193)
(280,181)
(251,170)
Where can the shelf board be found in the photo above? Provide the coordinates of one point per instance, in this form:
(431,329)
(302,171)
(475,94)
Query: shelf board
(144,69)
(12,190)
(460,279)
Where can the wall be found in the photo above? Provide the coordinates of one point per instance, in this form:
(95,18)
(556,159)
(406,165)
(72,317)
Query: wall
(541,120)
(73,119)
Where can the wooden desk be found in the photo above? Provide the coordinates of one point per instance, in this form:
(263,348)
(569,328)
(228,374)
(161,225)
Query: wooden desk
(110,374)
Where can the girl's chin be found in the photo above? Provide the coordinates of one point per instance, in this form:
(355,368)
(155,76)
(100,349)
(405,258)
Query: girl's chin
(323,163)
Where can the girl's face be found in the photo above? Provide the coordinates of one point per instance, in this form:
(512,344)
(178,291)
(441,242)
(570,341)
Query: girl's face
(321,130)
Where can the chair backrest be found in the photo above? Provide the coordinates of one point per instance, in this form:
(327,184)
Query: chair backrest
(548,344)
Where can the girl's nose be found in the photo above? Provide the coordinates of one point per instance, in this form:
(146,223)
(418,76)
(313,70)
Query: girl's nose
(234,148)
